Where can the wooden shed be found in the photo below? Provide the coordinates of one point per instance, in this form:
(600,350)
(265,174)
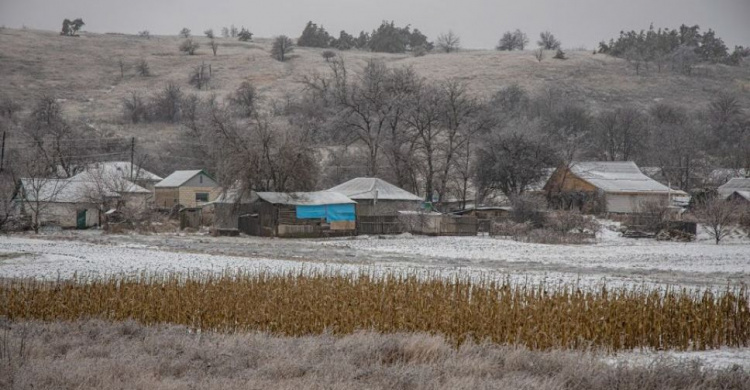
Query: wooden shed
(185,188)
(618,187)
(302,214)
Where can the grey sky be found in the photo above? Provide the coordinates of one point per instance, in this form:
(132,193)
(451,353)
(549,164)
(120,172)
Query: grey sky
(479,23)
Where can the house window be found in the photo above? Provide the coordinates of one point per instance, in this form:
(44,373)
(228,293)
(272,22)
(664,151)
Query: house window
(201,196)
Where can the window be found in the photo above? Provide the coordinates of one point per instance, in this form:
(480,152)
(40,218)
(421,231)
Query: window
(200,179)
(201,196)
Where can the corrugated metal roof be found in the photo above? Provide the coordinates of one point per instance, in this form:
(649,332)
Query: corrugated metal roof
(177,178)
(365,188)
(305,198)
(618,176)
(738,185)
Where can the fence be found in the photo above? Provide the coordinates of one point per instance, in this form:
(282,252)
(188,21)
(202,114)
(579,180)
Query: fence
(379,225)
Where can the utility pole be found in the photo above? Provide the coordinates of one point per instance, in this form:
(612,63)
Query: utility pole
(132,155)
(2,154)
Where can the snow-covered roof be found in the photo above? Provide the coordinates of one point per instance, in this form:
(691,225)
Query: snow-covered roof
(110,179)
(60,190)
(178,178)
(372,187)
(122,168)
(722,175)
(618,176)
(305,198)
(739,185)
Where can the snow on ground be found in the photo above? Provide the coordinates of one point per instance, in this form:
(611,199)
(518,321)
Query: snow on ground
(719,358)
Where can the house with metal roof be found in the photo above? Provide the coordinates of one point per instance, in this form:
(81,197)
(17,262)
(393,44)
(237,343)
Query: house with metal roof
(620,186)
(301,214)
(186,188)
(378,197)
(736,189)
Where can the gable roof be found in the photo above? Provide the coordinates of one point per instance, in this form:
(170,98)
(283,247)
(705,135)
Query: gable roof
(368,187)
(108,179)
(618,176)
(739,185)
(178,178)
(59,190)
(122,168)
(305,198)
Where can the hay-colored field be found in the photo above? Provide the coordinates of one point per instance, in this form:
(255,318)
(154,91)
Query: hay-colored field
(298,304)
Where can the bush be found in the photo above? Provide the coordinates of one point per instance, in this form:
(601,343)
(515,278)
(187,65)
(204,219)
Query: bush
(189,46)
(528,209)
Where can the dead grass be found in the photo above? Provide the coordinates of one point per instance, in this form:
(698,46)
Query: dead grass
(537,317)
(103,355)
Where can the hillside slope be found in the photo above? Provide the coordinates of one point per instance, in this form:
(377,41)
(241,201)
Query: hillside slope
(84,72)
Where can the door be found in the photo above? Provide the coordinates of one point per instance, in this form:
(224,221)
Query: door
(81,220)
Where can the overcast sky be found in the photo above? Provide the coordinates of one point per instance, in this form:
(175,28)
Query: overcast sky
(479,23)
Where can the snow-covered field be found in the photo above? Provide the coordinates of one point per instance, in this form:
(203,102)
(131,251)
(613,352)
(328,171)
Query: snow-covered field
(616,261)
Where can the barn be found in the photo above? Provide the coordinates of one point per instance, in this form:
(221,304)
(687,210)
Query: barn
(301,214)
(376,197)
(618,187)
(185,188)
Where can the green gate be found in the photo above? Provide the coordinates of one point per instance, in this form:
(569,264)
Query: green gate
(81,219)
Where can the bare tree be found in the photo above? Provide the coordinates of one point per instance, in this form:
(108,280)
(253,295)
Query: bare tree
(225,32)
(189,46)
(282,46)
(512,163)
(214,46)
(134,108)
(718,216)
(621,134)
(200,76)
(449,42)
(7,198)
(39,192)
(547,41)
(123,66)
(539,54)
(244,99)
(209,34)
(184,33)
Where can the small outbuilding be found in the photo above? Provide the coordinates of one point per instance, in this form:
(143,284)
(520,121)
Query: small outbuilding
(302,214)
(377,197)
(618,187)
(186,188)
(736,189)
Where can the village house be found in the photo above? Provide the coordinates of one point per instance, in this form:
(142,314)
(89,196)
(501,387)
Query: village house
(736,189)
(186,188)
(80,201)
(377,197)
(302,214)
(618,187)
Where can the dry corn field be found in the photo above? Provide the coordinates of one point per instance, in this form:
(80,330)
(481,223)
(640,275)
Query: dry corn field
(537,317)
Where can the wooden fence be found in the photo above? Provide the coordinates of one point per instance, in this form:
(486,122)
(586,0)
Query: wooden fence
(384,224)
